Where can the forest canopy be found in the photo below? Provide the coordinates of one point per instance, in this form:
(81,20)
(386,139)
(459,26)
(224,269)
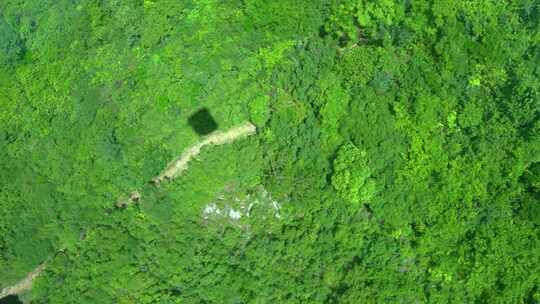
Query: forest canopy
(396,157)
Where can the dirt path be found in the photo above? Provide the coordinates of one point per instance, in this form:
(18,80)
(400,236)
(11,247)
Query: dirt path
(180,164)
(24,284)
(174,169)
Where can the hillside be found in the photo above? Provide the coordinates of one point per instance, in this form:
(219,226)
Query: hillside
(393,153)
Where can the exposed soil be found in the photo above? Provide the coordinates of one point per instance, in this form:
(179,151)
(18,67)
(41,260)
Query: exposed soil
(174,169)
(24,284)
(179,165)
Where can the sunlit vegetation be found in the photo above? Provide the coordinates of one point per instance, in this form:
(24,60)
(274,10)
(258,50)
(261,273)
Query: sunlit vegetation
(399,140)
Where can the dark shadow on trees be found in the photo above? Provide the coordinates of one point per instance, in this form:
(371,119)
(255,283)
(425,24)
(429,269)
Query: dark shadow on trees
(202,122)
(12,299)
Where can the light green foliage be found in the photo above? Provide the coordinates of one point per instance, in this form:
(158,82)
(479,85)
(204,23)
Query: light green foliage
(352,175)
(355,22)
(400,138)
(260,110)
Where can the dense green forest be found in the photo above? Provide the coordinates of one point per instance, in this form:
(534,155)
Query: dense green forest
(396,159)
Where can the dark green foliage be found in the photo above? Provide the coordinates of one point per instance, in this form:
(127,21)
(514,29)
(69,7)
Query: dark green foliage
(11,46)
(202,122)
(401,140)
(12,299)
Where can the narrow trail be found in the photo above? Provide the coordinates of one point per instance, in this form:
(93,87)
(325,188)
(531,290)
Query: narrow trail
(173,170)
(24,284)
(180,164)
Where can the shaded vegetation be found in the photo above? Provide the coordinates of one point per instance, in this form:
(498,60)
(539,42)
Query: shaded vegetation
(202,122)
(401,139)
(10,300)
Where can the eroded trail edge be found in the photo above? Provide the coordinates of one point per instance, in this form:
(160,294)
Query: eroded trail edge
(174,169)
(180,164)
(24,284)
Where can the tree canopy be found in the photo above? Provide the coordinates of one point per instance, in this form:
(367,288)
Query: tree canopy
(396,160)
